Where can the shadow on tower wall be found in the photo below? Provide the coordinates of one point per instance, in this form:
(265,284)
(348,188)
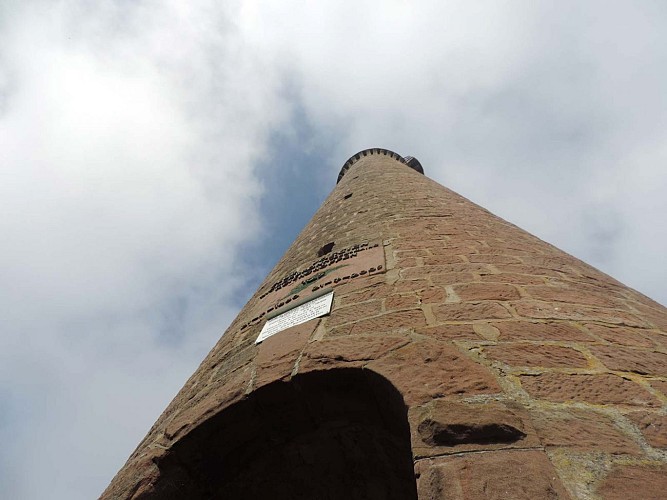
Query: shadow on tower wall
(335,434)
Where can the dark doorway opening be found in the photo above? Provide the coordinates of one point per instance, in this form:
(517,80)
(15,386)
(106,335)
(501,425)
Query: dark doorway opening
(327,435)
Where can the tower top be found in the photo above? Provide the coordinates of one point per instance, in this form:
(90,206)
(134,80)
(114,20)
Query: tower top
(410,161)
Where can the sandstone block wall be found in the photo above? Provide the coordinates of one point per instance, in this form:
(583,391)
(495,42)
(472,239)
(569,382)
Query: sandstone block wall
(526,373)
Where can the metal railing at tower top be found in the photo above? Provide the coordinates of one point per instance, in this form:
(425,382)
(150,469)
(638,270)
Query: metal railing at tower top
(409,161)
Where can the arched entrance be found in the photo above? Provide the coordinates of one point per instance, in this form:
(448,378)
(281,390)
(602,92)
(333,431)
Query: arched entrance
(325,435)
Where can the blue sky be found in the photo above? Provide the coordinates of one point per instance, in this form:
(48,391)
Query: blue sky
(158,157)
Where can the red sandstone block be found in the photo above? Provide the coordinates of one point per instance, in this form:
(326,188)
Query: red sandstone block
(437,260)
(547,310)
(425,271)
(559,263)
(469,247)
(359,284)
(451,278)
(656,316)
(527,330)
(425,370)
(377,291)
(449,332)
(527,269)
(582,430)
(653,427)
(486,291)
(547,356)
(621,335)
(384,324)
(223,396)
(573,296)
(444,427)
(417,243)
(645,482)
(627,359)
(660,385)
(470,311)
(432,294)
(659,338)
(407,262)
(518,279)
(486,258)
(412,253)
(514,245)
(410,285)
(597,389)
(505,252)
(500,475)
(395,302)
(354,312)
(335,352)
(278,354)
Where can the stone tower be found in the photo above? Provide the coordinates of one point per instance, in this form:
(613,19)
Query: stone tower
(414,345)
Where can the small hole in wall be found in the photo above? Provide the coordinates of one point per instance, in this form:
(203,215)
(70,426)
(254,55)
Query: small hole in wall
(347,196)
(325,249)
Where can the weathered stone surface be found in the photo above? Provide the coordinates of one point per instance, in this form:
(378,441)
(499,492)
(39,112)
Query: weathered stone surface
(548,356)
(486,258)
(661,385)
(656,315)
(470,311)
(449,332)
(411,285)
(548,310)
(445,279)
(486,291)
(658,337)
(433,294)
(240,356)
(653,426)
(582,431)
(347,351)
(278,354)
(528,269)
(377,291)
(526,330)
(437,260)
(426,370)
(355,312)
(572,295)
(498,475)
(396,302)
(141,475)
(486,331)
(384,324)
(445,427)
(557,262)
(360,283)
(626,359)
(645,482)
(621,335)
(221,397)
(597,389)
(517,279)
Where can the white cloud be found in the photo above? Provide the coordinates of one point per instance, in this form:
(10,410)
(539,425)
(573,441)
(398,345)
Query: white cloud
(126,187)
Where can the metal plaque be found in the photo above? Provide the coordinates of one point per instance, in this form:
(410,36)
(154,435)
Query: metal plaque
(335,268)
(297,315)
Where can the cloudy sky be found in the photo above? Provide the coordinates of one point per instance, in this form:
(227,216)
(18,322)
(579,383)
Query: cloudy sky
(156,159)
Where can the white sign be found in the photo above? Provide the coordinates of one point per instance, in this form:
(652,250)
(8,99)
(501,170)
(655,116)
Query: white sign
(300,314)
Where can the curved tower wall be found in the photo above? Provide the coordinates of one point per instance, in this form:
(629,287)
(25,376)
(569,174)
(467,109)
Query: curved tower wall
(525,373)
